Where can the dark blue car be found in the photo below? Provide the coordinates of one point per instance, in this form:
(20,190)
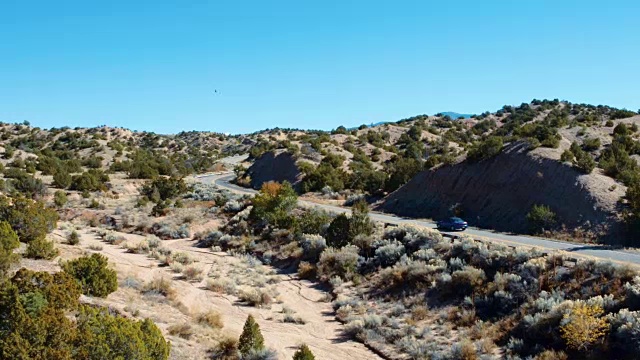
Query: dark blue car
(452,223)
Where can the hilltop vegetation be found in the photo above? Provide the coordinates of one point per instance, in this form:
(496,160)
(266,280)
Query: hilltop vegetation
(374,162)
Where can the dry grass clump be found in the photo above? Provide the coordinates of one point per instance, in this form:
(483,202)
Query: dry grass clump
(227,349)
(419,313)
(464,350)
(183,330)
(141,247)
(176,267)
(306,270)
(222,286)
(552,355)
(290,316)
(211,318)
(110,237)
(95,247)
(192,273)
(256,297)
(160,286)
(182,258)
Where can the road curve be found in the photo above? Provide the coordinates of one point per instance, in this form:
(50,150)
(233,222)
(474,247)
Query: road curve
(581,250)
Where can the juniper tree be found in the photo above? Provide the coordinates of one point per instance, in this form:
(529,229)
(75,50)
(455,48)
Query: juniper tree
(251,338)
(303,353)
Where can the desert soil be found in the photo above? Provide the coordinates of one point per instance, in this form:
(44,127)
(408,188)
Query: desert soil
(321,332)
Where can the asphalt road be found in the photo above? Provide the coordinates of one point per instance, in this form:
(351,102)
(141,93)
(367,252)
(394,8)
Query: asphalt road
(581,250)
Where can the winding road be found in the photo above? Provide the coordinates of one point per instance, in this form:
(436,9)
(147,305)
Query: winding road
(576,249)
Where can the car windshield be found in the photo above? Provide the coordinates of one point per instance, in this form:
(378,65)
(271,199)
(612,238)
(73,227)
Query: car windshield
(456,219)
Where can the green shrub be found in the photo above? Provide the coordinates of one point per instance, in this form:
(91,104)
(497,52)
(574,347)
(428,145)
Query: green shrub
(591,144)
(359,222)
(62,179)
(94,162)
(274,204)
(400,171)
(622,114)
(616,162)
(342,230)
(8,243)
(313,221)
(60,198)
(142,171)
(162,188)
(324,175)
(160,209)
(23,184)
(338,232)
(584,162)
(93,274)
(367,179)
(580,159)
(251,338)
(8,152)
(73,238)
(92,180)
(41,248)
(486,149)
(567,156)
(342,263)
(94,204)
(105,336)
(32,309)
(541,218)
(29,219)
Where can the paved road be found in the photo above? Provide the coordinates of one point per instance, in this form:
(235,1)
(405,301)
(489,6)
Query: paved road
(581,250)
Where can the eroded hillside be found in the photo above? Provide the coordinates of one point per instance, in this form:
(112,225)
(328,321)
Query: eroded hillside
(576,162)
(498,193)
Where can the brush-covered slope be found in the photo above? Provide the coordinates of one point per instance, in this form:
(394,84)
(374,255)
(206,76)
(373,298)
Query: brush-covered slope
(499,192)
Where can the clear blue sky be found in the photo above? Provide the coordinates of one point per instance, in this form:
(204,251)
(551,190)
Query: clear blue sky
(155,65)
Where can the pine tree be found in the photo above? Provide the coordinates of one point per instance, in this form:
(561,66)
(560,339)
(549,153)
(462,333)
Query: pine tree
(303,353)
(251,338)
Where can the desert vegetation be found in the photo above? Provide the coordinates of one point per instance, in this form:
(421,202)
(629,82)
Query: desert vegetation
(371,162)
(410,290)
(110,249)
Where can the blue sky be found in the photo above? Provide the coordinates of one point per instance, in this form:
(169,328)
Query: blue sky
(155,65)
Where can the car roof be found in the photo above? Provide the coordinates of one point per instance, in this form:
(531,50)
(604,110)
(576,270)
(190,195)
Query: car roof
(454,218)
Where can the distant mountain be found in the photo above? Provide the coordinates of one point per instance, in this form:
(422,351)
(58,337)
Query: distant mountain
(455,115)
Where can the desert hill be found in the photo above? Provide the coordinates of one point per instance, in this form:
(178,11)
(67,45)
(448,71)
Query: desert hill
(559,155)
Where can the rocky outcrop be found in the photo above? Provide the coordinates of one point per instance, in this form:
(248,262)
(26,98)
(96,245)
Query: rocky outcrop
(498,193)
(276,166)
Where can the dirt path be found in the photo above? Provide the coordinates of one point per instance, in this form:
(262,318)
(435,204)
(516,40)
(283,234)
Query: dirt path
(321,332)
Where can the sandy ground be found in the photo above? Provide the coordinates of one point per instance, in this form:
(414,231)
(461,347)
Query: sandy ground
(321,332)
